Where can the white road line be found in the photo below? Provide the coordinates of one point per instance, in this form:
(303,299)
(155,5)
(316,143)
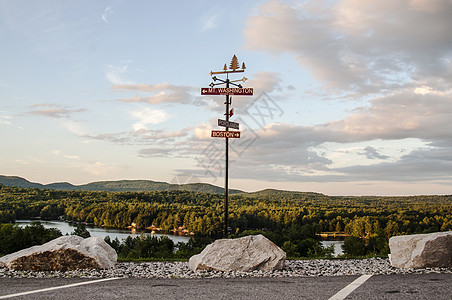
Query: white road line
(56,288)
(342,294)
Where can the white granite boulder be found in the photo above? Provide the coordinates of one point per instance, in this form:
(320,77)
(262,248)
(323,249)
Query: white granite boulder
(62,254)
(421,250)
(249,253)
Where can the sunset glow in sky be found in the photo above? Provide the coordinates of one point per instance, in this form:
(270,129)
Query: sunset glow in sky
(351,97)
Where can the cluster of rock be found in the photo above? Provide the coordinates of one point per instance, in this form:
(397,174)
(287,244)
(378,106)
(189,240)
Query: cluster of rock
(253,256)
(249,253)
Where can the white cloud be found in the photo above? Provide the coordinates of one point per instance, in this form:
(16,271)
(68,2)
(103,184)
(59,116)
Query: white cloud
(209,22)
(75,128)
(148,116)
(5,120)
(161,93)
(203,131)
(108,11)
(99,169)
(424,90)
(118,75)
(72,157)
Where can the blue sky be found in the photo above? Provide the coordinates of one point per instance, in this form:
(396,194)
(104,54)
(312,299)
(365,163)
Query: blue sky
(350,97)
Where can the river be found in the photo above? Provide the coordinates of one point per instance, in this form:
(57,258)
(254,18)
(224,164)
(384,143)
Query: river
(121,234)
(102,232)
(337,246)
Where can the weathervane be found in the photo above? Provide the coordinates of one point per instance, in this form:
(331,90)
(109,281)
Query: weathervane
(233,66)
(240,91)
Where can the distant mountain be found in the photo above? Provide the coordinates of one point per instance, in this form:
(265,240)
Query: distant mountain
(117,186)
(280,195)
(19,181)
(272,192)
(60,186)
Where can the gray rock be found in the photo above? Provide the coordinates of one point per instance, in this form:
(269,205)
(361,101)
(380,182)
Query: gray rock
(62,254)
(249,253)
(421,250)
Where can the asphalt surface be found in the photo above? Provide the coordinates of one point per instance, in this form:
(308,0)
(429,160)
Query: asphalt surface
(425,286)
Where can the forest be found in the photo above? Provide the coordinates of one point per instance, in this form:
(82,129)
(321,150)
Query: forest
(292,220)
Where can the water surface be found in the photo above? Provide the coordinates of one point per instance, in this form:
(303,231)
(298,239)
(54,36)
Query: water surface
(68,228)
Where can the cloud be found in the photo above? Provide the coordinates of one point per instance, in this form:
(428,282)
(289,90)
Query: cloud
(161,93)
(156,152)
(121,138)
(118,75)
(267,82)
(5,120)
(166,93)
(397,116)
(287,152)
(366,46)
(143,137)
(108,11)
(99,169)
(209,22)
(52,110)
(372,153)
(419,165)
(425,90)
(203,131)
(148,116)
(72,157)
(147,135)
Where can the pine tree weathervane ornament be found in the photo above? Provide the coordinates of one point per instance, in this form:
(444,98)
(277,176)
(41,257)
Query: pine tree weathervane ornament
(233,67)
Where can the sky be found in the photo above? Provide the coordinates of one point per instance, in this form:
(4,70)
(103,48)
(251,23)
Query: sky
(351,97)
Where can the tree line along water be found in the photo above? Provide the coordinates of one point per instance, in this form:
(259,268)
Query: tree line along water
(293,220)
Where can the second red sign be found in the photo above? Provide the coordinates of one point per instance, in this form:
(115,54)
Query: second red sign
(225,134)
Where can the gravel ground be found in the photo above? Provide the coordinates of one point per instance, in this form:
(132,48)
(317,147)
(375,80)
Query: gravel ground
(292,268)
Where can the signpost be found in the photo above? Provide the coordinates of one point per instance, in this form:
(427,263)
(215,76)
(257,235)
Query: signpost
(227,91)
(224,123)
(225,134)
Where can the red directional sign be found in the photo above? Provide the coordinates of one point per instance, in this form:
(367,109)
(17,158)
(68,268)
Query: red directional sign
(225,134)
(227,91)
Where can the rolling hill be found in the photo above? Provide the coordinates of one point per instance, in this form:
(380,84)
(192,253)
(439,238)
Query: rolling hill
(117,186)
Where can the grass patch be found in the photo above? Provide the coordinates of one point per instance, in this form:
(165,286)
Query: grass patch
(153,259)
(343,256)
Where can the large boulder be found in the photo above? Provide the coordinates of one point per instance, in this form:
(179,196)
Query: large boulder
(62,254)
(421,250)
(249,253)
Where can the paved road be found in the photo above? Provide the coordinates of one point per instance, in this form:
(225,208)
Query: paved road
(428,286)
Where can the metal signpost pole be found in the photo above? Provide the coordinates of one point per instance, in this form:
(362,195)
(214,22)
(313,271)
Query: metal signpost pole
(233,68)
(226,168)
